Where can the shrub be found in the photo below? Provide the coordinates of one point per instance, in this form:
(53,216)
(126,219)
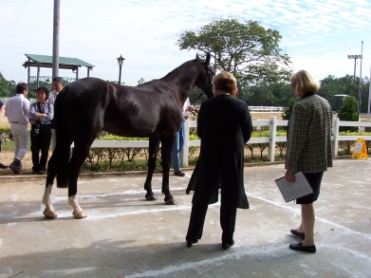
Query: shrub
(348,112)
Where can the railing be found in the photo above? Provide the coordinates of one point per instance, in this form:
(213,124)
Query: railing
(273,123)
(5,99)
(266,108)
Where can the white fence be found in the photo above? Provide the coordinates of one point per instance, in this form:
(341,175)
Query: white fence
(5,99)
(273,122)
(266,108)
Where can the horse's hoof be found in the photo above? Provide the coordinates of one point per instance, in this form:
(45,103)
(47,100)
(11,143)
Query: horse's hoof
(50,214)
(79,214)
(151,198)
(170,202)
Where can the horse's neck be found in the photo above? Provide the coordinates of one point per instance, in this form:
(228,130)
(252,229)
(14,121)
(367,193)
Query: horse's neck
(182,81)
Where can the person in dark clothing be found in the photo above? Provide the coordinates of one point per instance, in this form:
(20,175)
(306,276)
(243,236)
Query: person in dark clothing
(224,126)
(41,114)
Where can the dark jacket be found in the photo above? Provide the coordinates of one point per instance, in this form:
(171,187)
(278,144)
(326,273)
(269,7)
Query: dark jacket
(224,126)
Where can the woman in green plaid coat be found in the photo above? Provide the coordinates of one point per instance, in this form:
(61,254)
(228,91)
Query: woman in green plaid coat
(308,150)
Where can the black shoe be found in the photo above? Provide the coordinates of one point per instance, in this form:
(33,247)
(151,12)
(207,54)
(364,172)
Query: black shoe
(2,166)
(179,174)
(298,234)
(226,245)
(298,247)
(191,242)
(35,170)
(15,166)
(42,171)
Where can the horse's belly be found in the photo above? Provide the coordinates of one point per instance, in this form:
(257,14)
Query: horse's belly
(130,130)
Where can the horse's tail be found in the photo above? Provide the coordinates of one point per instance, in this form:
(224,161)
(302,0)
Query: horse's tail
(63,140)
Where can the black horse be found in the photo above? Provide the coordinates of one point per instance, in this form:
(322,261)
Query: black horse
(152,110)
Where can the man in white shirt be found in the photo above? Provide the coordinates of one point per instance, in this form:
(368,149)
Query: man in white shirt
(17,111)
(2,107)
(58,86)
(179,140)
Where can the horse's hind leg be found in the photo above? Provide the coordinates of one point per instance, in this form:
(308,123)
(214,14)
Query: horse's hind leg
(166,148)
(52,172)
(152,150)
(79,155)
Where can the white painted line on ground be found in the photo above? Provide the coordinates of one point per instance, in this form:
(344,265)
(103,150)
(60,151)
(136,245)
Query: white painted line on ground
(243,251)
(368,237)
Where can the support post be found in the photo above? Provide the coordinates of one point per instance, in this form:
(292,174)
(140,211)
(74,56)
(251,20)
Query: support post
(184,154)
(77,73)
(38,76)
(360,84)
(369,99)
(335,132)
(28,73)
(56,23)
(272,138)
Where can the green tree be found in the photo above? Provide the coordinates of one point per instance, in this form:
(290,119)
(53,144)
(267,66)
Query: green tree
(141,81)
(268,94)
(286,115)
(348,113)
(331,86)
(7,88)
(245,48)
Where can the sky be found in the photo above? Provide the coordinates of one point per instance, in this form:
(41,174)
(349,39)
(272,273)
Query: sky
(318,35)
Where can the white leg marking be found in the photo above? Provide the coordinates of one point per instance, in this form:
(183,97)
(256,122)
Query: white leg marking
(77,210)
(47,201)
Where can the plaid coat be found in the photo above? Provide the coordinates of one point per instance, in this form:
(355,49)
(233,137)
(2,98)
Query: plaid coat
(309,135)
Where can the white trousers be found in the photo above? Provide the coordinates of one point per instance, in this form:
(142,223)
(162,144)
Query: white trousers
(20,137)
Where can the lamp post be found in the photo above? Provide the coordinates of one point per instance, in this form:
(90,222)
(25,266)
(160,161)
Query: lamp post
(120,60)
(355,57)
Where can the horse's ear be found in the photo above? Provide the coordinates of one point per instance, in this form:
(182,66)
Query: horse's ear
(207,62)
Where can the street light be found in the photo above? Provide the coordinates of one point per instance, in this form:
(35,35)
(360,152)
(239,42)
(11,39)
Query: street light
(355,57)
(120,60)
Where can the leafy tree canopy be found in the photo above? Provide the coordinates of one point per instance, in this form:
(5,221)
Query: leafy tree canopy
(245,48)
(7,88)
(348,112)
(331,86)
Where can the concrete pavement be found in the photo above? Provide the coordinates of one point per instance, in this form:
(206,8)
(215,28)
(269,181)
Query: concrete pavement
(126,236)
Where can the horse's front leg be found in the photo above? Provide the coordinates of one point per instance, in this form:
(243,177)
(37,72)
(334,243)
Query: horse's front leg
(49,211)
(152,152)
(166,149)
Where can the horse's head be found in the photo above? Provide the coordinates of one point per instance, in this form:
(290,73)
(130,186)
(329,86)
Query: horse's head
(205,79)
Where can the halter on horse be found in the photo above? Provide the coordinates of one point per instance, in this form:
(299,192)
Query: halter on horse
(152,109)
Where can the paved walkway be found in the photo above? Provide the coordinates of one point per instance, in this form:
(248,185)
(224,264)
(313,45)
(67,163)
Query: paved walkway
(126,236)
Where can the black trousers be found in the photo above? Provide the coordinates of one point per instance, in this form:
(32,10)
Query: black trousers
(227,222)
(40,142)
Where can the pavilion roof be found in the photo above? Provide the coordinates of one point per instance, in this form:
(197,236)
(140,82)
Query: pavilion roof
(45,61)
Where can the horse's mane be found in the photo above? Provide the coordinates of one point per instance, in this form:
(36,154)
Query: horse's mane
(173,72)
(181,67)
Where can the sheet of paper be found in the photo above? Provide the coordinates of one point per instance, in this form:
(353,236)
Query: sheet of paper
(291,191)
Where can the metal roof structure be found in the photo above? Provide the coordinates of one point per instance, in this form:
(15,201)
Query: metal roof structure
(44,61)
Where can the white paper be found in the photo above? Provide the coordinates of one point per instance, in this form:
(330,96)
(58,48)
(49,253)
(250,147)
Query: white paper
(358,148)
(291,191)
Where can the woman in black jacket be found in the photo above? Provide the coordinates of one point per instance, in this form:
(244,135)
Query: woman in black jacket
(41,114)
(224,126)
